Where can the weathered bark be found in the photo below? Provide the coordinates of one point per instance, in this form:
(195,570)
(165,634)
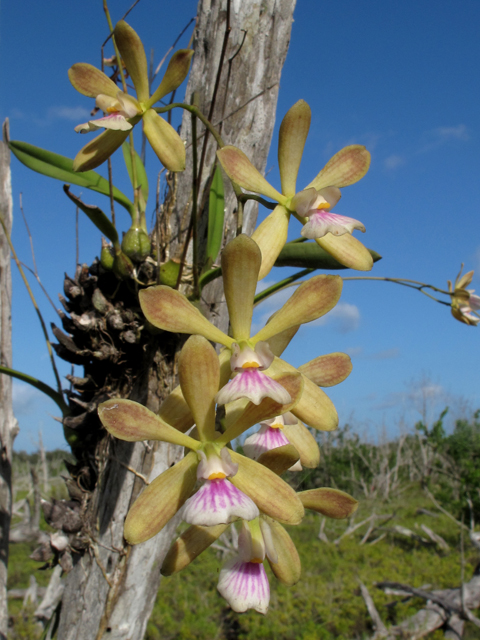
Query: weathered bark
(111,591)
(8,424)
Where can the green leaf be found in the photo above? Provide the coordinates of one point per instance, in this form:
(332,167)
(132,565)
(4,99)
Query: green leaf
(216,216)
(308,255)
(96,215)
(142,180)
(60,167)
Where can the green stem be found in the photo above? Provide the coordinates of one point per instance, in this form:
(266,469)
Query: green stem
(411,284)
(208,276)
(41,386)
(34,302)
(250,196)
(196,111)
(266,293)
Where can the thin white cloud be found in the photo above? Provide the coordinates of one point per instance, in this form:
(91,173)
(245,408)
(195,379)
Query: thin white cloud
(344,316)
(393,162)
(385,354)
(25,399)
(73,114)
(440,136)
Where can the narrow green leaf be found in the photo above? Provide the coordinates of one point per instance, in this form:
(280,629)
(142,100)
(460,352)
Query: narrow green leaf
(96,215)
(216,217)
(142,180)
(309,255)
(60,167)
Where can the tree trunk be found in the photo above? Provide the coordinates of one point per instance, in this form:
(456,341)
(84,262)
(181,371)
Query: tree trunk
(111,590)
(8,424)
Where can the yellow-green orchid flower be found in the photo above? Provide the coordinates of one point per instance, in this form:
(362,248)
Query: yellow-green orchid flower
(465,304)
(249,356)
(233,486)
(123,111)
(312,205)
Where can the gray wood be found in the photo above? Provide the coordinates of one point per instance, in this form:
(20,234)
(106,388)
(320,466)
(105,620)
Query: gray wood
(8,423)
(111,591)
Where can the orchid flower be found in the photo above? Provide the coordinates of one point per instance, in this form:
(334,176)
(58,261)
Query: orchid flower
(311,205)
(465,304)
(233,485)
(249,356)
(281,431)
(123,111)
(243,581)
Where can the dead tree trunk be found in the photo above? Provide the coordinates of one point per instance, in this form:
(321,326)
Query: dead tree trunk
(111,590)
(8,424)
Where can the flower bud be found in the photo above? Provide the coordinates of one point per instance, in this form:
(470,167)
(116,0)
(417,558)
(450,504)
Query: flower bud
(136,244)
(107,255)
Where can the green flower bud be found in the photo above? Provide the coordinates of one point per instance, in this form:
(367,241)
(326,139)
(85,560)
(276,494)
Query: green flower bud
(136,244)
(122,266)
(107,255)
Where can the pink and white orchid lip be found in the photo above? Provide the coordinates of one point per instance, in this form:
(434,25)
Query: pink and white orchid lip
(118,111)
(253,385)
(322,222)
(218,502)
(244,585)
(270,436)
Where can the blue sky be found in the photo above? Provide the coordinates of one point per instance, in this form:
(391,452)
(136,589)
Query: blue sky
(401,78)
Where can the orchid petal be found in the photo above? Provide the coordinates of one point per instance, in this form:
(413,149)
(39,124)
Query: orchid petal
(322,222)
(271,236)
(161,500)
(313,299)
(199,375)
(175,411)
(291,141)
(255,386)
(98,150)
(90,81)
(218,502)
(241,260)
(175,74)
(288,567)
(329,370)
(170,310)
(279,460)
(331,503)
(189,546)
(133,422)
(347,250)
(165,141)
(133,54)
(279,342)
(270,493)
(346,167)
(236,424)
(244,585)
(314,407)
(303,441)
(241,171)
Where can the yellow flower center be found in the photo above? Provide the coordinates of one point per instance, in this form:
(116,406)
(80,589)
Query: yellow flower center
(256,560)
(217,476)
(276,425)
(250,365)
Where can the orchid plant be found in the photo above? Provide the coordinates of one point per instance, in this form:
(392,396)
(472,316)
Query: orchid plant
(222,394)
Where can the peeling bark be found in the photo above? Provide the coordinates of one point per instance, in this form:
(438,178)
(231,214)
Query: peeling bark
(8,424)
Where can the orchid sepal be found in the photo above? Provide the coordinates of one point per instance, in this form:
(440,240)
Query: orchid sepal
(175,74)
(331,503)
(189,546)
(291,142)
(161,500)
(271,236)
(131,421)
(345,168)
(327,370)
